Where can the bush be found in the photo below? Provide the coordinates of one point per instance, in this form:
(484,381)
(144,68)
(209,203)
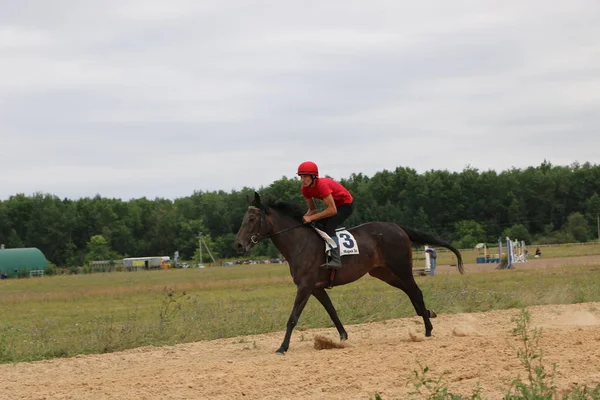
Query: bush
(517,232)
(50,270)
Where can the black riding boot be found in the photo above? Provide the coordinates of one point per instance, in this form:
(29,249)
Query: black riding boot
(335,261)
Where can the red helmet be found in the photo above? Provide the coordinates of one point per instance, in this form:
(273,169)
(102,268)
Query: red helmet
(308,168)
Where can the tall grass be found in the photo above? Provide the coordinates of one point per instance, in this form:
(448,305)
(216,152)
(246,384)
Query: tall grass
(64,316)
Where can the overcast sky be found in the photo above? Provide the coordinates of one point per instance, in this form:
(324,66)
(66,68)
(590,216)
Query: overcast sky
(133,98)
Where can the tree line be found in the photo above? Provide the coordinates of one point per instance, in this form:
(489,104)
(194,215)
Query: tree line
(543,204)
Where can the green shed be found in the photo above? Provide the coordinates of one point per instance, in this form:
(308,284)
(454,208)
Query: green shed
(17,262)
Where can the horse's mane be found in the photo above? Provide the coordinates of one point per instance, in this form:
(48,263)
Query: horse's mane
(288,209)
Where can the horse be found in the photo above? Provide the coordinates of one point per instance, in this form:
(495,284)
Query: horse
(385,253)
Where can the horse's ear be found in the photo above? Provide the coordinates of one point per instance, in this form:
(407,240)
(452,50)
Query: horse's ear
(256,201)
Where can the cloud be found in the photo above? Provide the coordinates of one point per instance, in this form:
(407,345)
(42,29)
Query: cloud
(141,98)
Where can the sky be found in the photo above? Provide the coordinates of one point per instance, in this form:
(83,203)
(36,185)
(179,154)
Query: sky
(145,98)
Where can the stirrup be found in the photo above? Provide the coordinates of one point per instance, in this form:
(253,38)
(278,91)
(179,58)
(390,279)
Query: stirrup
(332,265)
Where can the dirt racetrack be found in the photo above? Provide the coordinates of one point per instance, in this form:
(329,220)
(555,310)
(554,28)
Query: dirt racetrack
(378,358)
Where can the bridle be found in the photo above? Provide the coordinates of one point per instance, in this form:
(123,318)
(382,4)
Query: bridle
(263,217)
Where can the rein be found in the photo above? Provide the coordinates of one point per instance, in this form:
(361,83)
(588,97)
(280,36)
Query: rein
(258,237)
(255,240)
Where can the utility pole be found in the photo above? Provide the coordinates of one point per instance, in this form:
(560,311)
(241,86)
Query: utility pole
(598,218)
(208,250)
(200,247)
(200,242)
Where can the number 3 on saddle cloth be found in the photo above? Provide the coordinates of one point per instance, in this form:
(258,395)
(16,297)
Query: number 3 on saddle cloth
(348,244)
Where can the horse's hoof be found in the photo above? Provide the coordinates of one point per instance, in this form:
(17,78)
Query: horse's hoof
(280,352)
(428,334)
(343,337)
(432,314)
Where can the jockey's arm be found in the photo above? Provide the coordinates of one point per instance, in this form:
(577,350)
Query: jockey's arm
(312,206)
(330,208)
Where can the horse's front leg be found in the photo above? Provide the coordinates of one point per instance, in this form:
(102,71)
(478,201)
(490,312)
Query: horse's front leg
(302,296)
(325,301)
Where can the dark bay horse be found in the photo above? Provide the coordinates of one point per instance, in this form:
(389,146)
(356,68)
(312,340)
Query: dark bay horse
(384,252)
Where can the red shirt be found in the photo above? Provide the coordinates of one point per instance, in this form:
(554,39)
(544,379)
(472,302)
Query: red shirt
(324,187)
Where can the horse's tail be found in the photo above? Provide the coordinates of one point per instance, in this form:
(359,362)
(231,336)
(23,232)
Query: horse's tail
(425,238)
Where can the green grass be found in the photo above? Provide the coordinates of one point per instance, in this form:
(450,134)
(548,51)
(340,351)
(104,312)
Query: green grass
(445,257)
(81,314)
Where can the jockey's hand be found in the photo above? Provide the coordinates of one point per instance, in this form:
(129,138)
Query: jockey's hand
(307,219)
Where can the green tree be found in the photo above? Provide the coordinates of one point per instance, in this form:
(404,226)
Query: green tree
(223,246)
(517,232)
(537,201)
(593,210)
(468,233)
(14,240)
(98,249)
(578,227)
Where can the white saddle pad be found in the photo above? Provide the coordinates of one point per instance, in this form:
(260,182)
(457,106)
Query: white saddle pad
(348,244)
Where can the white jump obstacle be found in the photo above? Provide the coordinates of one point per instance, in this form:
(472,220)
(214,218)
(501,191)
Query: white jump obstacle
(516,251)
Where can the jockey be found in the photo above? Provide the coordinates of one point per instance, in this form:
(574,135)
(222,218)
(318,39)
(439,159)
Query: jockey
(338,202)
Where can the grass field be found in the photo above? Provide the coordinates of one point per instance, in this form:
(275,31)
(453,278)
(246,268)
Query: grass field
(470,255)
(64,316)
(548,251)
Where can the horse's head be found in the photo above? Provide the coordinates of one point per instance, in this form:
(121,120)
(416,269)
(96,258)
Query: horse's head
(254,226)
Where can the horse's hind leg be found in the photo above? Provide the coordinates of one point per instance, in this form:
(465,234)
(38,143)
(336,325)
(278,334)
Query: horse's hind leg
(325,301)
(408,285)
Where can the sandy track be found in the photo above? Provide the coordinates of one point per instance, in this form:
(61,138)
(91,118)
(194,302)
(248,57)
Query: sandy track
(378,358)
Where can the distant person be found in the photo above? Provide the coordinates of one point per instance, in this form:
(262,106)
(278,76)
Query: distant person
(538,253)
(432,259)
(4,275)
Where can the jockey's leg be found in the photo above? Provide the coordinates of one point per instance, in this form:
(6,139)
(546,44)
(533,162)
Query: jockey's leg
(335,261)
(331,224)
